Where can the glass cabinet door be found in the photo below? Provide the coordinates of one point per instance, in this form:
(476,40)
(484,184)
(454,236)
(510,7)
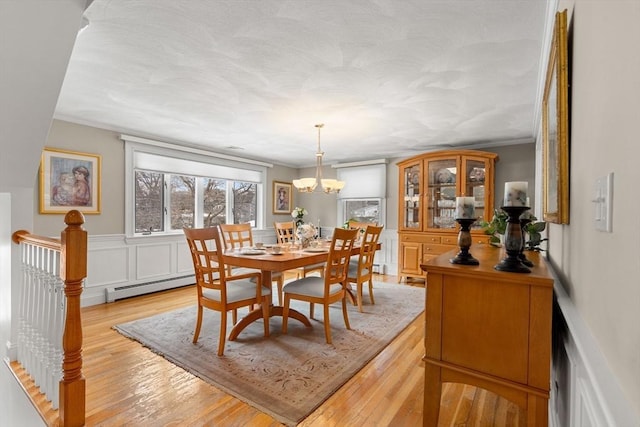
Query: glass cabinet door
(474,185)
(440,203)
(411,182)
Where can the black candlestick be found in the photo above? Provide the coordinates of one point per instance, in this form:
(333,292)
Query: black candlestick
(464,241)
(513,242)
(523,258)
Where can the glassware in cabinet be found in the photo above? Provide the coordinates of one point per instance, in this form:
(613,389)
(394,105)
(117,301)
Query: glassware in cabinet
(411,183)
(442,190)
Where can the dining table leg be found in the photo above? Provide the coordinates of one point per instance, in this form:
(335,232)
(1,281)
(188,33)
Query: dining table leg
(256,313)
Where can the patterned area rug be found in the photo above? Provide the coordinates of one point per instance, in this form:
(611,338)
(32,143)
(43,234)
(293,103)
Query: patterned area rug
(285,376)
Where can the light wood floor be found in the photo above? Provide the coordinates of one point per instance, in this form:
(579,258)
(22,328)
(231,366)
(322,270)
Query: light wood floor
(127,384)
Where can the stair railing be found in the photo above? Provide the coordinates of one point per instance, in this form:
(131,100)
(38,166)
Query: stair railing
(50,326)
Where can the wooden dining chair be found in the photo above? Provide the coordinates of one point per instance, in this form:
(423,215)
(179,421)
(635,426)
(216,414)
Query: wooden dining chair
(285,234)
(218,290)
(362,226)
(361,269)
(328,289)
(237,236)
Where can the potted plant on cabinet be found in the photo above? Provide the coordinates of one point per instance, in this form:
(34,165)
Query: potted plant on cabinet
(498,226)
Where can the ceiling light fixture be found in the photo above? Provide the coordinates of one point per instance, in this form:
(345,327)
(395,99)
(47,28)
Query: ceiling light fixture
(308,185)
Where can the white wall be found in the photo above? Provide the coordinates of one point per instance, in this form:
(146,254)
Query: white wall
(601,271)
(36,40)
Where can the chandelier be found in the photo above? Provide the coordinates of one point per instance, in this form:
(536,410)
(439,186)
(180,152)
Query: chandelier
(308,185)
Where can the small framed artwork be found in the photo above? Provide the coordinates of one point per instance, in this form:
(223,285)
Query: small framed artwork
(282,197)
(555,128)
(69,180)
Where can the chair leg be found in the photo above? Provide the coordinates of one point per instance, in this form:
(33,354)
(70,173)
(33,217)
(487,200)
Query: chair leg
(311,310)
(371,291)
(265,315)
(280,284)
(223,332)
(285,314)
(345,315)
(196,334)
(359,295)
(327,324)
(234,316)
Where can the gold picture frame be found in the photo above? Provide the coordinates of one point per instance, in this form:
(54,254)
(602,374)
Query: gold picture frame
(69,180)
(555,127)
(282,197)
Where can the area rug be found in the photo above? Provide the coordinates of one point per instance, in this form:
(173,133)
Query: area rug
(286,376)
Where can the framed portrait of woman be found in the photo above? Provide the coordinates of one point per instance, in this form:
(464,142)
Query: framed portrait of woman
(282,197)
(69,180)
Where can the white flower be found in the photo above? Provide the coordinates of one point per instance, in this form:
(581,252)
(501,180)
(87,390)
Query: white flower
(306,231)
(298,212)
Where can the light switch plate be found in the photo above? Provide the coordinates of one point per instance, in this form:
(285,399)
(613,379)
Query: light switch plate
(604,203)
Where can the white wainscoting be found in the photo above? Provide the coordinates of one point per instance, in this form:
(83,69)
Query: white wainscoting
(584,391)
(120,267)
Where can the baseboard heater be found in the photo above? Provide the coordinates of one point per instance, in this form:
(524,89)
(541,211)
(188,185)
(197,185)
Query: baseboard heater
(127,291)
(379,268)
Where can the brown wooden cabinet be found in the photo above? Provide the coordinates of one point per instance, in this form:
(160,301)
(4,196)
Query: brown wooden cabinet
(490,329)
(429,184)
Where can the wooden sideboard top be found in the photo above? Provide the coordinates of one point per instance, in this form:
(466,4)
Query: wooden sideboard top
(489,256)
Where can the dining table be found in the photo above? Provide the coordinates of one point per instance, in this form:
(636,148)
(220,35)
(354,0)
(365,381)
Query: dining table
(269,262)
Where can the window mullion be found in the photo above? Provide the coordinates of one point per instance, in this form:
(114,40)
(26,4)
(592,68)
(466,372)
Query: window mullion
(166,202)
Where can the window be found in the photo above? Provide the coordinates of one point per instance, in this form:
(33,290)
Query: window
(172,189)
(363,198)
(185,193)
(365,210)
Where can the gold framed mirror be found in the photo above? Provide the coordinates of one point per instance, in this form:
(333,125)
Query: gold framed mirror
(555,127)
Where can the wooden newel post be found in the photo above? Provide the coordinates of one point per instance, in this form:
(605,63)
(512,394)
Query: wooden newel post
(74,262)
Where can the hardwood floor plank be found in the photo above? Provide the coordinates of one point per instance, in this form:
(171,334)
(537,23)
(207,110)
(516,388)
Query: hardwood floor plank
(127,384)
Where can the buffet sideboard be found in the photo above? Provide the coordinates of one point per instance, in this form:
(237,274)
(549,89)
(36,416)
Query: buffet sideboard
(490,329)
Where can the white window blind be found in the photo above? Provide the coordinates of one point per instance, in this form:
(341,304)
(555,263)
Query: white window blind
(167,164)
(365,181)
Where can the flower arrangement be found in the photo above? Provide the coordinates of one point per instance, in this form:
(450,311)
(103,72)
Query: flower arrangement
(305,232)
(298,214)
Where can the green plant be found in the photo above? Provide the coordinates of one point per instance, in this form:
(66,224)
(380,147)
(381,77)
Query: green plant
(534,230)
(496,227)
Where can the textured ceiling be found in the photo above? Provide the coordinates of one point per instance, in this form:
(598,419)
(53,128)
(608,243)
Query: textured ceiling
(388,78)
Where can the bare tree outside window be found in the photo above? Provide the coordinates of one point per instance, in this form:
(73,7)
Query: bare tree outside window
(244,203)
(182,197)
(215,202)
(148,200)
(189,205)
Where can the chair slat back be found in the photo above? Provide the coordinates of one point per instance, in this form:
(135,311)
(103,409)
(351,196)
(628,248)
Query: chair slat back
(284,231)
(369,244)
(236,235)
(206,252)
(362,226)
(339,254)
(368,247)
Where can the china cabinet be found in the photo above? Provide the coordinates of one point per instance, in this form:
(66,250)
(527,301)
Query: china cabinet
(429,184)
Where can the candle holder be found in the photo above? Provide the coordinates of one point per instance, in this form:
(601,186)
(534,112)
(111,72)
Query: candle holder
(523,258)
(464,241)
(513,242)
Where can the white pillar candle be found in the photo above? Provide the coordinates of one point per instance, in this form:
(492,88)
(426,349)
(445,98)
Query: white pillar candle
(515,193)
(465,207)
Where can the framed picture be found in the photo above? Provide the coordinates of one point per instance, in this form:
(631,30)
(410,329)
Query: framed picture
(282,197)
(69,180)
(555,128)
